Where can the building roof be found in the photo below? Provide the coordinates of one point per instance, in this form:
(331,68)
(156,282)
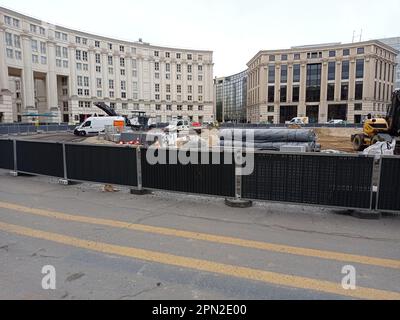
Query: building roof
(326,46)
(95,36)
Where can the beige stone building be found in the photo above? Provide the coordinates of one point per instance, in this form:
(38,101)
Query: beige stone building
(323,82)
(50,70)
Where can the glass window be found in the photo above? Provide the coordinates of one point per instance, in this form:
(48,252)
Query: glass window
(345,70)
(271,94)
(331,92)
(359,90)
(284,73)
(360,50)
(284,57)
(346,52)
(283,94)
(344,94)
(271,58)
(360,68)
(332,70)
(296,56)
(332,53)
(271,73)
(296,73)
(313,91)
(296,94)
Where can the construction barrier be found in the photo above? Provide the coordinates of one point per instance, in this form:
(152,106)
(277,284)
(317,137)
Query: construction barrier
(42,158)
(389,184)
(207,179)
(328,180)
(6,154)
(316,179)
(102,164)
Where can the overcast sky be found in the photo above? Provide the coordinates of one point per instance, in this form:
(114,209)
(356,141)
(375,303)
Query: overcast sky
(235,30)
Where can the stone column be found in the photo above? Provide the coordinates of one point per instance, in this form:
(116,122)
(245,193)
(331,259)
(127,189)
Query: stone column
(92,66)
(323,106)
(72,66)
(51,80)
(302,109)
(6,107)
(27,73)
(117,73)
(104,72)
(4,85)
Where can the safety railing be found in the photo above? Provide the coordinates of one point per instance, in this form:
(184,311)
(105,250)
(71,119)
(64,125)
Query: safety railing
(27,129)
(325,180)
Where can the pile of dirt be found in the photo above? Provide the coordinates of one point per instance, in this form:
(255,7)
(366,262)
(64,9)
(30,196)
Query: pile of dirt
(336,138)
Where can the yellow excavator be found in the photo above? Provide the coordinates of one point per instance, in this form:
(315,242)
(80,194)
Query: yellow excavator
(380,129)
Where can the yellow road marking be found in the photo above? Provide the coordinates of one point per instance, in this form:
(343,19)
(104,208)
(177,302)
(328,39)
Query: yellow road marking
(206,266)
(322,254)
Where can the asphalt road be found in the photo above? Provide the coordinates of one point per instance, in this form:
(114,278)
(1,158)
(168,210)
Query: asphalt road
(168,246)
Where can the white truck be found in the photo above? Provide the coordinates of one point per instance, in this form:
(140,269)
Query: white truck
(96,125)
(298,120)
(178,125)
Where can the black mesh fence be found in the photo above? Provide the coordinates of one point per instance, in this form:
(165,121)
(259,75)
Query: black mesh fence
(43,158)
(6,154)
(201,178)
(389,186)
(343,181)
(113,165)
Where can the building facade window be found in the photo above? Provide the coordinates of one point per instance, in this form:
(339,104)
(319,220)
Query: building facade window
(284,73)
(313,89)
(359,90)
(296,73)
(345,70)
(271,73)
(332,70)
(360,68)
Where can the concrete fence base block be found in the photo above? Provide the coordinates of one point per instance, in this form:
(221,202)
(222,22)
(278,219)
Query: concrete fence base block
(140,192)
(238,203)
(14,173)
(366,215)
(63,182)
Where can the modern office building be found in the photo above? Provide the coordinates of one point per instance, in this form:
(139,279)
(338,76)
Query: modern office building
(231,98)
(394,43)
(50,70)
(322,82)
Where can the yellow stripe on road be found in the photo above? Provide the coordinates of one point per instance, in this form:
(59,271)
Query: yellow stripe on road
(322,254)
(203,265)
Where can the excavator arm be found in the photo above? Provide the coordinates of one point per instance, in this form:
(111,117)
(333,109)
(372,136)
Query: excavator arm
(110,112)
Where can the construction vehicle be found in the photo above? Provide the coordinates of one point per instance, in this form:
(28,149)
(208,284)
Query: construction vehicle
(380,129)
(138,122)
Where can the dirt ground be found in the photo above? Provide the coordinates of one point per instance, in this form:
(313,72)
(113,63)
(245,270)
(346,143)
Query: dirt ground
(336,138)
(329,138)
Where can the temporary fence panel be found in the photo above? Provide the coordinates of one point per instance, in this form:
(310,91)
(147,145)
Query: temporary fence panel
(207,179)
(43,158)
(389,184)
(339,181)
(6,154)
(102,164)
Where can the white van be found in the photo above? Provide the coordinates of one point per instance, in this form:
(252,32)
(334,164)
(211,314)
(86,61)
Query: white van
(96,125)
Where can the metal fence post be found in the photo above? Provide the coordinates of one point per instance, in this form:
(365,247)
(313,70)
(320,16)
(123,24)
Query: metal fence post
(14,173)
(238,202)
(65,180)
(139,190)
